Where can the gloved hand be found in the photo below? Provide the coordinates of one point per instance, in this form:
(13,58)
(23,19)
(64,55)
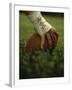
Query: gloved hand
(52,38)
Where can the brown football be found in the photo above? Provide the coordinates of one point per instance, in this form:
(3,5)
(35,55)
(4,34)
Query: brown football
(34,42)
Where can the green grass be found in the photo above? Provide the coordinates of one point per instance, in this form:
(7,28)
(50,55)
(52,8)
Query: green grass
(26,27)
(40,64)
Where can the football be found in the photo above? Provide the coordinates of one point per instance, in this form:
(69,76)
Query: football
(34,42)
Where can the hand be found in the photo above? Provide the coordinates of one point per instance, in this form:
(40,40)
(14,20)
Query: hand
(52,38)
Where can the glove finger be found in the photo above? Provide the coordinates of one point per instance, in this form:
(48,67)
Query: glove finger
(49,40)
(54,38)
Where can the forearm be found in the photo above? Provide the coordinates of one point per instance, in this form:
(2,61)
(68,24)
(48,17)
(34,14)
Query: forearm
(39,22)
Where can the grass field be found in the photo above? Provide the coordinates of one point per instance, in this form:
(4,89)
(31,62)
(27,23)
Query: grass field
(41,64)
